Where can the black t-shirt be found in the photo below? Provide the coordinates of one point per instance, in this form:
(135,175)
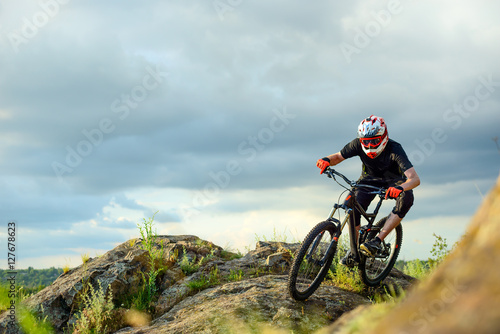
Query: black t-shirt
(385,170)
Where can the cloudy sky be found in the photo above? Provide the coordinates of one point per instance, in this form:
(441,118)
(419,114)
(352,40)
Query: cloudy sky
(213,113)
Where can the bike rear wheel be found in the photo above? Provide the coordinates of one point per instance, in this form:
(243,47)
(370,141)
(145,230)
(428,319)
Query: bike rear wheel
(311,263)
(375,269)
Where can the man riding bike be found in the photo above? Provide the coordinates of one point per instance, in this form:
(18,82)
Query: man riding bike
(385,164)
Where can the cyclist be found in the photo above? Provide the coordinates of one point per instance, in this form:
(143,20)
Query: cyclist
(385,164)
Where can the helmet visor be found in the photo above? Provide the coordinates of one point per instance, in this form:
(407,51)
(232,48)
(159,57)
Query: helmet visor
(371,142)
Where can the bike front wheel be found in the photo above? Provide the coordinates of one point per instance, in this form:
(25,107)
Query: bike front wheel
(311,263)
(375,269)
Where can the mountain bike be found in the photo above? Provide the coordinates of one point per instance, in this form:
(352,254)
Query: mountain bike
(313,259)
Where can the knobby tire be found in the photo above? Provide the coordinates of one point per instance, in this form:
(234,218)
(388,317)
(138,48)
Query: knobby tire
(374,270)
(306,274)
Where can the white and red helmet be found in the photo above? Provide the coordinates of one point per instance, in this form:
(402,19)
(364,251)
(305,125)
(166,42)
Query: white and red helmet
(372,133)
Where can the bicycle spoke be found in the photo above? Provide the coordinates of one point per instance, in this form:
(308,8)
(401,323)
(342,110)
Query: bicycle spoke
(377,265)
(375,269)
(311,262)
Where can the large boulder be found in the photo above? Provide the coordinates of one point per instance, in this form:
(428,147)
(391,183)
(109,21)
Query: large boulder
(258,301)
(117,271)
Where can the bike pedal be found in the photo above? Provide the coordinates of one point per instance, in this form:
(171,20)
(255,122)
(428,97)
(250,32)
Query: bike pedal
(365,253)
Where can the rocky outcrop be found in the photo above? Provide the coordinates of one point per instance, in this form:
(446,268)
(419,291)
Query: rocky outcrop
(117,271)
(199,288)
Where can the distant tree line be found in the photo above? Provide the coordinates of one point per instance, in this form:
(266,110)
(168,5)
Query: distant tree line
(32,279)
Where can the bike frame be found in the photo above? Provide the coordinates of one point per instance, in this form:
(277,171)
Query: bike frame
(348,206)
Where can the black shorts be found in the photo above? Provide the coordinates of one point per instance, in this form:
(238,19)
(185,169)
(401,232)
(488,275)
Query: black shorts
(403,203)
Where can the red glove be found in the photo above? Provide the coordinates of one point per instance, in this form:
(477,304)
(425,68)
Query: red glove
(394,192)
(323,164)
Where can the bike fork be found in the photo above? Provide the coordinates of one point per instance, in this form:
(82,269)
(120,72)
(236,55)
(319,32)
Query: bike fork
(352,228)
(314,246)
(333,245)
(331,248)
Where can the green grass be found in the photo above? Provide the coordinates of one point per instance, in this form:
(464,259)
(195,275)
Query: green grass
(200,284)
(276,237)
(143,300)
(148,292)
(235,275)
(417,268)
(205,281)
(342,276)
(229,255)
(147,234)
(148,238)
(422,268)
(349,279)
(189,266)
(85,257)
(30,322)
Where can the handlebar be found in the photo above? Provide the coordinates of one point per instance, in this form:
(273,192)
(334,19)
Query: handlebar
(330,172)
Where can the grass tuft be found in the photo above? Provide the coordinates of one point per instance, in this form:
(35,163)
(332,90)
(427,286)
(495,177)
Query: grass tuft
(85,258)
(235,275)
(205,281)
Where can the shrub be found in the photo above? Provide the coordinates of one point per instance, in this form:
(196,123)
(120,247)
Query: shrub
(97,311)
(143,300)
(147,234)
(416,268)
(439,251)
